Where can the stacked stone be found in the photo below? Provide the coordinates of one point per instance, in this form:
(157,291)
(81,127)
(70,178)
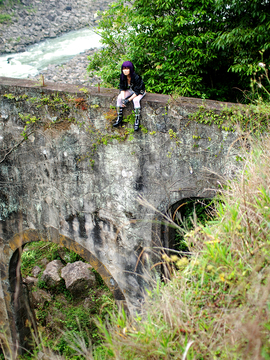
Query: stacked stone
(36,20)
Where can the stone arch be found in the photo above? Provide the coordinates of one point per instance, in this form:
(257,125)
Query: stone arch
(20,317)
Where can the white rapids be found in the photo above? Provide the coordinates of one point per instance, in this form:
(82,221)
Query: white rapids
(51,51)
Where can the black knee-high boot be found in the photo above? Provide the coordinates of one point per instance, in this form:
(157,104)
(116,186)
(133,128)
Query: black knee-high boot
(137,119)
(119,116)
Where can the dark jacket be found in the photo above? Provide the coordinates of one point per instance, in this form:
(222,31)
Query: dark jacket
(136,84)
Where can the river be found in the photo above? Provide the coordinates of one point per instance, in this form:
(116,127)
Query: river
(51,51)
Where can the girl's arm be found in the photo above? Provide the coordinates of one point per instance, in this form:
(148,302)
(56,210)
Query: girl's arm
(138,87)
(130,99)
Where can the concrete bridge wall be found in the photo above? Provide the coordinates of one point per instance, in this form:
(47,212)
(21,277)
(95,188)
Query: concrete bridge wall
(76,181)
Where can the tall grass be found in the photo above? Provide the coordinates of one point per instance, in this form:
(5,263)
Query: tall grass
(217,304)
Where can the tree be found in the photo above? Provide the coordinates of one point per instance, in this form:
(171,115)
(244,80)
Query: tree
(190,47)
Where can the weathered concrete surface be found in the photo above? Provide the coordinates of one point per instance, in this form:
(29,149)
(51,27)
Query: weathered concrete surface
(49,192)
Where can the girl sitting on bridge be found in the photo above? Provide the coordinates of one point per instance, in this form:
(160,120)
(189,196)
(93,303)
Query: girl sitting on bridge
(131,88)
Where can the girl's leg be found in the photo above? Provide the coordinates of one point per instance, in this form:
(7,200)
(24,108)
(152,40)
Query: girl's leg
(136,101)
(119,107)
(137,108)
(128,93)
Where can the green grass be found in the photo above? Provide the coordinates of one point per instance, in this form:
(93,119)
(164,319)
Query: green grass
(33,254)
(62,320)
(191,212)
(5,18)
(65,317)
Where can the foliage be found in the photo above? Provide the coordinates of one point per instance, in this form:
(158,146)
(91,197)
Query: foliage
(114,39)
(188,47)
(65,317)
(59,106)
(191,213)
(4,17)
(251,118)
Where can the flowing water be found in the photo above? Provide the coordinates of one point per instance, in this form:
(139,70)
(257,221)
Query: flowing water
(51,51)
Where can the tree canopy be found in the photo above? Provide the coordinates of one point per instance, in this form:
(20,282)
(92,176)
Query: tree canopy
(201,48)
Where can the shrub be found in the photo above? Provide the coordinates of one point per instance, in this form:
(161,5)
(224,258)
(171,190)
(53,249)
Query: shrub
(4,17)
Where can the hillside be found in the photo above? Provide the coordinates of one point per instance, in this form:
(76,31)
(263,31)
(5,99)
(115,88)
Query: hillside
(30,21)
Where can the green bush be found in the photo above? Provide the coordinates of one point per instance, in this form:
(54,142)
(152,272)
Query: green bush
(191,213)
(206,49)
(4,17)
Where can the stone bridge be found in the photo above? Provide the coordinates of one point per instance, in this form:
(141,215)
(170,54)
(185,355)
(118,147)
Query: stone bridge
(68,177)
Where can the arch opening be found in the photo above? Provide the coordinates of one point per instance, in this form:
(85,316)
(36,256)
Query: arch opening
(168,239)
(25,317)
(186,214)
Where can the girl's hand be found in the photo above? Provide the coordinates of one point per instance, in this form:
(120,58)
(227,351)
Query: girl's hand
(125,102)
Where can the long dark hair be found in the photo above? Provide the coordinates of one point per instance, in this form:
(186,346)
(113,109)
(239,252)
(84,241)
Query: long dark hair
(129,65)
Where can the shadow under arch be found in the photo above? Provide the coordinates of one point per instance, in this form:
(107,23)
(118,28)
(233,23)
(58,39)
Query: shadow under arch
(163,233)
(21,317)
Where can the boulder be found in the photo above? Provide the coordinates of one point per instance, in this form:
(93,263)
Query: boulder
(51,273)
(52,34)
(78,277)
(39,298)
(44,261)
(51,16)
(64,255)
(47,354)
(36,270)
(30,281)
(20,49)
